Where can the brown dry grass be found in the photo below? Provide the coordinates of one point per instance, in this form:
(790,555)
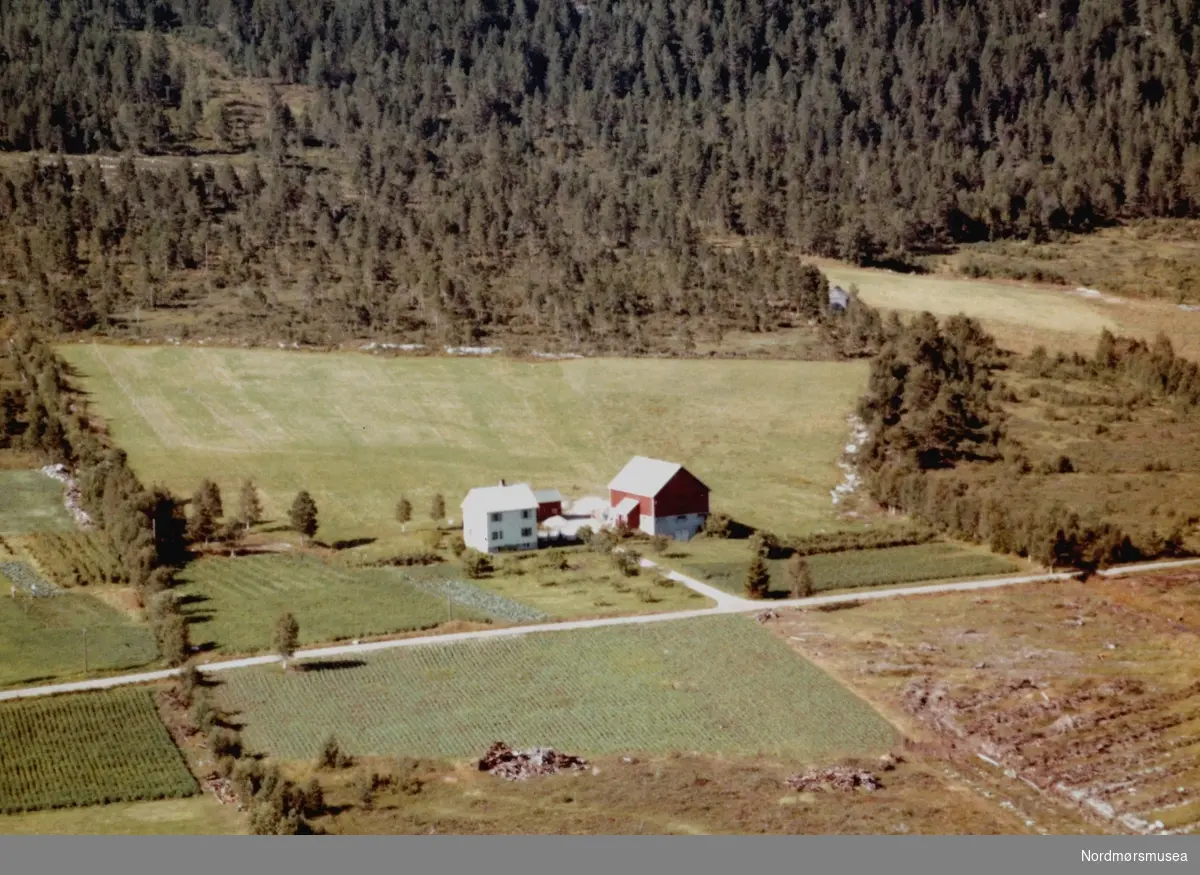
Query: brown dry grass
(1091,686)
(684,794)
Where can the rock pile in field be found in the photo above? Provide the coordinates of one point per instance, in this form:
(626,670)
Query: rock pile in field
(768,614)
(518,765)
(835,778)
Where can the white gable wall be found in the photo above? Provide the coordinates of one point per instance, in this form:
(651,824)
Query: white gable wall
(490,532)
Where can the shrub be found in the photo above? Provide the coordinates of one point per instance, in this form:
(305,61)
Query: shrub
(718,525)
(660,543)
(758,579)
(555,560)
(628,562)
(476,564)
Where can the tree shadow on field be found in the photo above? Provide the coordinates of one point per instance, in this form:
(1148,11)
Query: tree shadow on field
(351,543)
(331,665)
(191,598)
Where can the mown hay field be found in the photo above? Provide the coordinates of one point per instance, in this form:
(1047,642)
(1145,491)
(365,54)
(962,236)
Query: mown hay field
(718,684)
(724,564)
(358,431)
(1022,315)
(31,502)
(42,639)
(87,749)
(232,604)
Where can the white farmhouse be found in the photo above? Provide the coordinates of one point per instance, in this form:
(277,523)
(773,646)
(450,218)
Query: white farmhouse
(500,517)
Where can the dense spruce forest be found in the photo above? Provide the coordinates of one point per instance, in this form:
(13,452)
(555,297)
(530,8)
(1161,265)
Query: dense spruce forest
(581,174)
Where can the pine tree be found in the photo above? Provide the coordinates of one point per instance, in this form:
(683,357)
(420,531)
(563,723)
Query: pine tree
(758,578)
(302,516)
(799,576)
(437,512)
(403,510)
(286,637)
(249,506)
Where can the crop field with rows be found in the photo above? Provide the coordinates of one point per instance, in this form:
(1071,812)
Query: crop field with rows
(42,639)
(723,564)
(233,603)
(87,749)
(75,558)
(720,684)
(31,502)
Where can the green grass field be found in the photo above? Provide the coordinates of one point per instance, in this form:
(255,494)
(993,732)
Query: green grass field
(87,749)
(358,431)
(718,684)
(590,586)
(41,639)
(724,563)
(31,502)
(194,815)
(233,604)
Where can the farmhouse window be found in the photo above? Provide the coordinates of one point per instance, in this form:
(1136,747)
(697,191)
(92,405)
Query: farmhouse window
(681,517)
(525,533)
(495,517)
(524,514)
(495,536)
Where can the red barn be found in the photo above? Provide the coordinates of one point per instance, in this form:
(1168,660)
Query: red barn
(660,498)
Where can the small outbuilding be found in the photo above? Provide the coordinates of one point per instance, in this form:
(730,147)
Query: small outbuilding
(659,498)
(839,298)
(550,503)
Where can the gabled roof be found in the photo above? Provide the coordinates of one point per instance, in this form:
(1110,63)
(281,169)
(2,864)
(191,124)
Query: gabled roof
(496,499)
(643,476)
(626,507)
(546,496)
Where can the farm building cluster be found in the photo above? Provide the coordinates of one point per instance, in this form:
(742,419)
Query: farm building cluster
(653,496)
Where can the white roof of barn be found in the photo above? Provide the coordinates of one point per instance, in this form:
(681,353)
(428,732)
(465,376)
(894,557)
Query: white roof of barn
(547,495)
(644,476)
(626,507)
(496,499)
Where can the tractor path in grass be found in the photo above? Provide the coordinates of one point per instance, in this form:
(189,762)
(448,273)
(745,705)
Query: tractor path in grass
(726,604)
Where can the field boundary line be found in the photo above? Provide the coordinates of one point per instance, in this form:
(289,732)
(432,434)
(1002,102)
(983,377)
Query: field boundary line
(733,605)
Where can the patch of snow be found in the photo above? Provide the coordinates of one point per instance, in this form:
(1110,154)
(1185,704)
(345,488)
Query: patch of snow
(472,350)
(557,355)
(1190,308)
(403,347)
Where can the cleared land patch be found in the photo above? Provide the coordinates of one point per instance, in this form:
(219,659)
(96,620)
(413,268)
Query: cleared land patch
(87,749)
(42,639)
(723,564)
(719,684)
(686,794)
(232,604)
(31,502)
(358,431)
(1022,315)
(1087,690)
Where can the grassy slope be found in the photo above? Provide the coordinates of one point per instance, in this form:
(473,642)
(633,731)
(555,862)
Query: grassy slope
(1023,315)
(590,586)
(42,639)
(31,502)
(358,431)
(719,684)
(724,563)
(197,815)
(233,603)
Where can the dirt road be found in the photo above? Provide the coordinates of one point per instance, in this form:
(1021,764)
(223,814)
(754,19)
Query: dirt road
(725,604)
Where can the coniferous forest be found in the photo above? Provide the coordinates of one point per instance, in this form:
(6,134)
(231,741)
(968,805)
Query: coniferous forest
(577,171)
